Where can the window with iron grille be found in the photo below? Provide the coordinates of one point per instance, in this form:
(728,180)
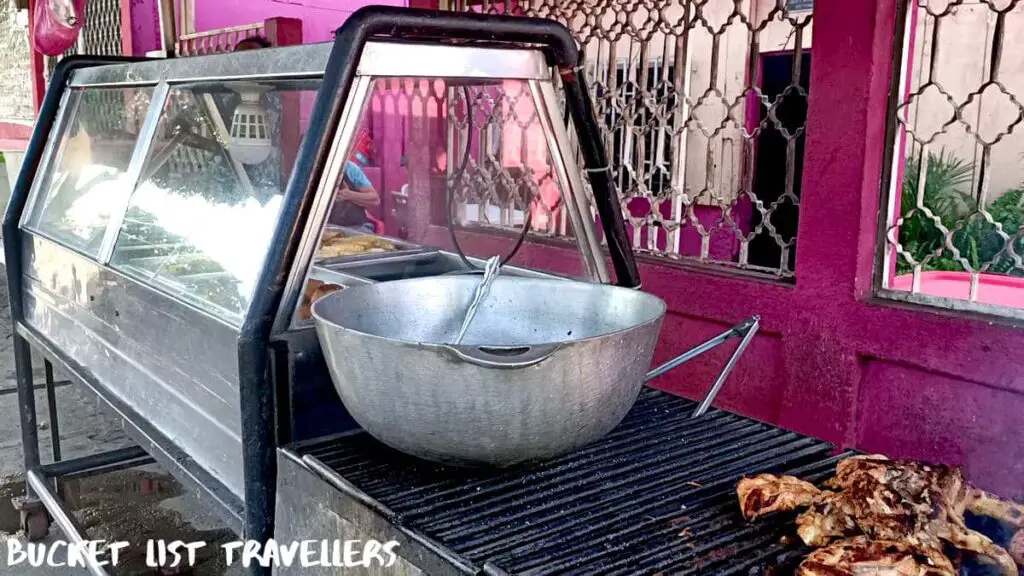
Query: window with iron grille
(640,137)
(684,138)
(954,230)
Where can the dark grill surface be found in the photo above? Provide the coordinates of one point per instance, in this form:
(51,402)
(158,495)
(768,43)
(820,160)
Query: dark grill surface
(655,495)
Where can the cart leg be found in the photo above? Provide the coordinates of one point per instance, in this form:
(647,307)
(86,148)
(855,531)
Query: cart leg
(35,522)
(27,402)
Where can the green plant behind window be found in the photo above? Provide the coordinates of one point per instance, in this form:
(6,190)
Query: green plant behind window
(977,240)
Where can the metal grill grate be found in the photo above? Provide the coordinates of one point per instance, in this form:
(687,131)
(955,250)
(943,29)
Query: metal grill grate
(657,494)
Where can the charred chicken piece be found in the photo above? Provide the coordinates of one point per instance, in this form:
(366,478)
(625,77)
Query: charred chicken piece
(768,493)
(965,539)
(830,516)
(860,556)
(985,504)
(1017,547)
(913,503)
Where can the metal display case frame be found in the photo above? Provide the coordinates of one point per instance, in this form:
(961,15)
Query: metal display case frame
(533,48)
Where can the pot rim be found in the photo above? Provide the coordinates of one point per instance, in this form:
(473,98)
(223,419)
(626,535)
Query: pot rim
(320,321)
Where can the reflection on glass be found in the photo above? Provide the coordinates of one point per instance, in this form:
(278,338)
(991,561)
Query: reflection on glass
(86,179)
(440,177)
(199,223)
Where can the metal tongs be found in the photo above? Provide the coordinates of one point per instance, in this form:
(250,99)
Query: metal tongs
(746,329)
(491,270)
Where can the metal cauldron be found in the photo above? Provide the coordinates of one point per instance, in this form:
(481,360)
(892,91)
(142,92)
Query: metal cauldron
(547,365)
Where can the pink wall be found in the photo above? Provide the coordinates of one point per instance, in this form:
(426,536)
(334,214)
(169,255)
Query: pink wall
(320,18)
(145,25)
(833,361)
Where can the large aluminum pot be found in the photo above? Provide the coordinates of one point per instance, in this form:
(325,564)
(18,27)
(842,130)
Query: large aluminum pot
(547,365)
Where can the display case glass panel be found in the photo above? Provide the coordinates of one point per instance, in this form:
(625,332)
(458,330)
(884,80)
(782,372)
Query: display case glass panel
(199,223)
(86,177)
(442,175)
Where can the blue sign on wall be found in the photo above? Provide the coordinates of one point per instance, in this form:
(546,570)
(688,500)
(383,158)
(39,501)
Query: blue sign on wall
(799,5)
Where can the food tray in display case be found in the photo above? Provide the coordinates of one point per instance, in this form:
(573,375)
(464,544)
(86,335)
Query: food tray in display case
(341,244)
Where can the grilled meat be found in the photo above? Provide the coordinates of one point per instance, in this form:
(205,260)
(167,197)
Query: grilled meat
(860,556)
(918,505)
(314,291)
(830,516)
(1017,547)
(767,493)
(984,504)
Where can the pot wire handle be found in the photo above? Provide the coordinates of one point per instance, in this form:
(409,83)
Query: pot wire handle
(490,273)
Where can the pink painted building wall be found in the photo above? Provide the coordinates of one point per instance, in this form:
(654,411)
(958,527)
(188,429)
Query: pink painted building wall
(320,18)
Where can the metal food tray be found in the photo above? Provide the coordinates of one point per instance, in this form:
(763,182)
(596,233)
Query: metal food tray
(431,262)
(335,277)
(403,248)
(130,248)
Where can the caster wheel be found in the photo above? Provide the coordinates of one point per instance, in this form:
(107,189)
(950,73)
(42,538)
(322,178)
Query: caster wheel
(35,524)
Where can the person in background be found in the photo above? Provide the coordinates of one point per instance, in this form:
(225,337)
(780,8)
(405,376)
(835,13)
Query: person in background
(252,43)
(356,193)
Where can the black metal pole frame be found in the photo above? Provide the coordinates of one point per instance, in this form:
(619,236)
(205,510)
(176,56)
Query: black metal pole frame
(257,398)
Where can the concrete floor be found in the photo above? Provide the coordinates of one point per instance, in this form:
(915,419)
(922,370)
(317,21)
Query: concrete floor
(133,505)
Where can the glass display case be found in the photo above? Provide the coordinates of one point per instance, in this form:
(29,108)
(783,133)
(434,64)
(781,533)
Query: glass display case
(86,174)
(194,214)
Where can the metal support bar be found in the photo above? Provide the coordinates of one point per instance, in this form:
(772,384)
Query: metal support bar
(51,406)
(108,469)
(746,329)
(67,522)
(81,466)
(27,404)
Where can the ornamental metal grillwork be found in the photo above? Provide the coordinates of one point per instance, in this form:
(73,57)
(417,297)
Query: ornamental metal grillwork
(16,102)
(956,199)
(101,33)
(216,41)
(704,105)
